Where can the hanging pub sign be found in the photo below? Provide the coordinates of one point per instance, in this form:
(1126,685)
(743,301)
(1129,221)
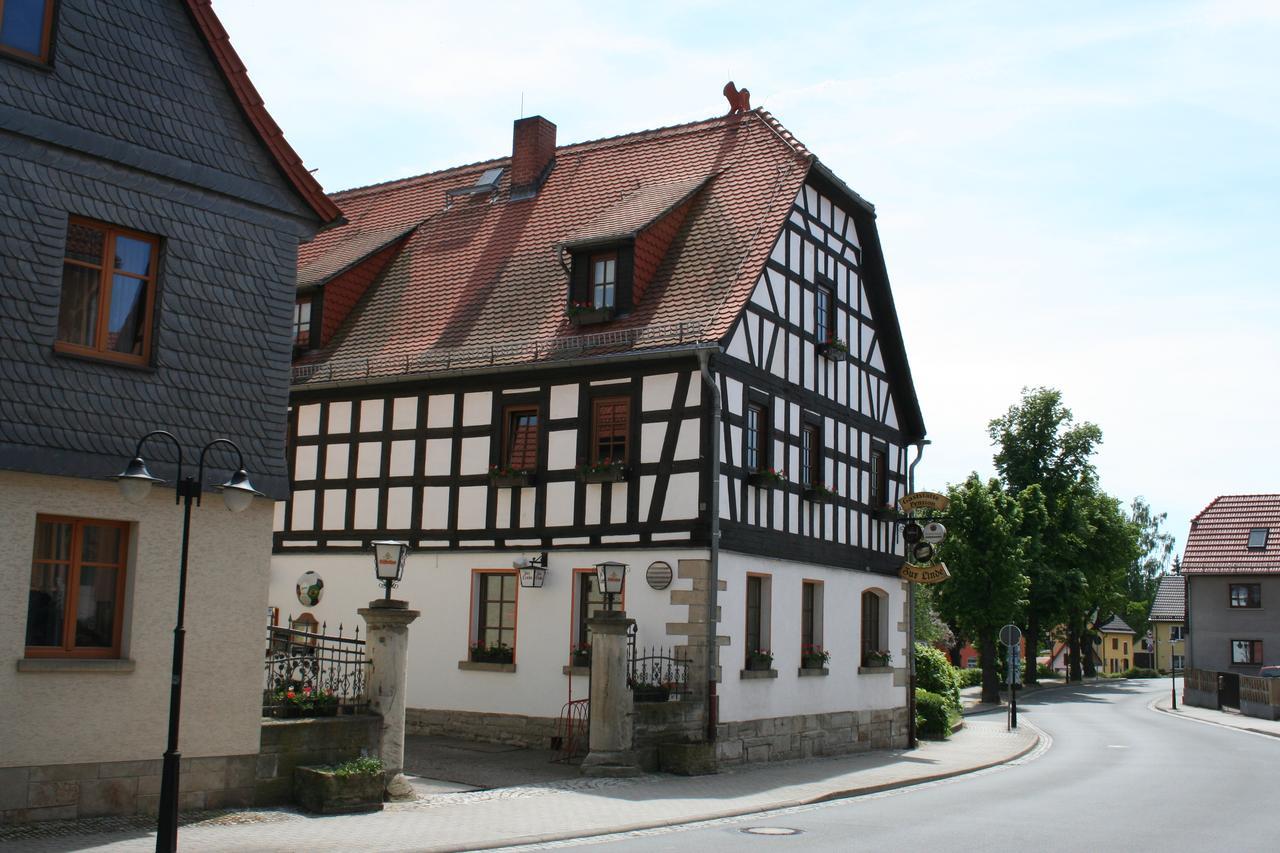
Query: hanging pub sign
(923,500)
(912,533)
(936,573)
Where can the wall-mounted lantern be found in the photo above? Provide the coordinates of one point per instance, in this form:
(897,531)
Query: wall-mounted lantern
(533,571)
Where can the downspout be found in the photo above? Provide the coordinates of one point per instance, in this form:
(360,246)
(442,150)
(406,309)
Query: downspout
(713,577)
(911,617)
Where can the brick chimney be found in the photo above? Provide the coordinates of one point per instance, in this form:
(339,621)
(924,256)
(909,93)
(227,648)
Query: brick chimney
(533,146)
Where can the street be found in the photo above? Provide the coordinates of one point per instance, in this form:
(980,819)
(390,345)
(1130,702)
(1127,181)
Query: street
(1116,776)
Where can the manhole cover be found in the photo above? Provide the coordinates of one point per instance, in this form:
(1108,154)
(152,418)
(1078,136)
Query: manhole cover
(771,830)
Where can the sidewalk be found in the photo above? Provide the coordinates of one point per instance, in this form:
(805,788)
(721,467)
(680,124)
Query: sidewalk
(569,808)
(971,697)
(1229,719)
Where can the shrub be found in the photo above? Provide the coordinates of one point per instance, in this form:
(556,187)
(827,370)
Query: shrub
(933,719)
(365,766)
(1140,672)
(935,674)
(1045,671)
(969,677)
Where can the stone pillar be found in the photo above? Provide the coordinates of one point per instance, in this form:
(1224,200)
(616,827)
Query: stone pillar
(387,642)
(612,734)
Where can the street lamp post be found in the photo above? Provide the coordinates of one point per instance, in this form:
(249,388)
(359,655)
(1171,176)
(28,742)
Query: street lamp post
(135,484)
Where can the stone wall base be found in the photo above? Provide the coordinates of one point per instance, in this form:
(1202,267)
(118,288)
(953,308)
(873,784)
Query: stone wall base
(513,729)
(808,735)
(1200,698)
(95,789)
(289,744)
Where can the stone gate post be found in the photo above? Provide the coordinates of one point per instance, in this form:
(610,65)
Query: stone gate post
(612,733)
(387,642)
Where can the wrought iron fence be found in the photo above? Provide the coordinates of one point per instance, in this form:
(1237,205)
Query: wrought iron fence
(654,673)
(314,674)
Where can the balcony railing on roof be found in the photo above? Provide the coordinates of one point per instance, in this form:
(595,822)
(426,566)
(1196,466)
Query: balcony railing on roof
(479,356)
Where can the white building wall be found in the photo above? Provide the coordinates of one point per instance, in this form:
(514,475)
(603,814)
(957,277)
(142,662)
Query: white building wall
(92,714)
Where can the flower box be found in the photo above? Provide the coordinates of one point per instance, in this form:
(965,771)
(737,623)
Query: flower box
(876,660)
(761,659)
(335,790)
(834,351)
(513,479)
(767,479)
(819,495)
(814,657)
(603,474)
(492,654)
(590,316)
(580,657)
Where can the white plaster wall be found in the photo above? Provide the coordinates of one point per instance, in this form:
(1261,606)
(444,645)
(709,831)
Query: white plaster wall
(439,585)
(844,689)
(53,718)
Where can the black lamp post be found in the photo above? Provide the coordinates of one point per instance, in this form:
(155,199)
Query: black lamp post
(135,484)
(388,562)
(611,577)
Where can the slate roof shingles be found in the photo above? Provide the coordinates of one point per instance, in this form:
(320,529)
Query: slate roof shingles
(1218,541)
(1170,604)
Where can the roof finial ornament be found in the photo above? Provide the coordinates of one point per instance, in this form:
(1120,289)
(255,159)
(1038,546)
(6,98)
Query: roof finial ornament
(739,99)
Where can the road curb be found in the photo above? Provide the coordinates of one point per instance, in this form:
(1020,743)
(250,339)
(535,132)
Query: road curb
(1154,705)
(845,794)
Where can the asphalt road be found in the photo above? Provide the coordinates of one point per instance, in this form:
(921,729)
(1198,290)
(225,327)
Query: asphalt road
(1116,776)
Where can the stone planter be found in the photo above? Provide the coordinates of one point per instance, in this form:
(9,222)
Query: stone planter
(591,317)
(517,480)
(833,352)
(319,790)
(612,474)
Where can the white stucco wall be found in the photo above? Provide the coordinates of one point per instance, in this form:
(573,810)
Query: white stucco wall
(844,689)
(65,717)
(439,585)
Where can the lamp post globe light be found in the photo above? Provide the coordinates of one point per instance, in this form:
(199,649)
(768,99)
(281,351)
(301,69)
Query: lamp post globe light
(388,562)
(611,577)
(135,484)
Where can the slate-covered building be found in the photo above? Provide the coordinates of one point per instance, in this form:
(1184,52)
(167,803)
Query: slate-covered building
(676,349)
(150,214)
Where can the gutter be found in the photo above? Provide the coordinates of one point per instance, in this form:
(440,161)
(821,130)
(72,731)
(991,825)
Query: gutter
(713,510)
(627,357)
(911,617)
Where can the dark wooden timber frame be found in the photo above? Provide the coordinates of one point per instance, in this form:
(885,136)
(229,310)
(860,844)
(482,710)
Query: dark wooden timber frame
(45,56)
(68,648)
(106,271)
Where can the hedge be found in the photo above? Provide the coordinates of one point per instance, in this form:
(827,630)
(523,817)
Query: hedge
(935,674)
(969,677)
(933,718)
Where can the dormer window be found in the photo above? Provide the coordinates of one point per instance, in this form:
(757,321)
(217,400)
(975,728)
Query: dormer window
(1258,539)
(25,27)
(302,323)
(604,280)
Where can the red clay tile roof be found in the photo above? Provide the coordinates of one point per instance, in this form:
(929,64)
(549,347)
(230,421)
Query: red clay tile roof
(1219,537)
(237,77)
(482,280)
(635,212)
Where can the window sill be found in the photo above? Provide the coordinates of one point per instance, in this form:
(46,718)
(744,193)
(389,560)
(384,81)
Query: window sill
(576,670)
(866,670)
(758,673)
(472,666)
(812,672)
(76,665)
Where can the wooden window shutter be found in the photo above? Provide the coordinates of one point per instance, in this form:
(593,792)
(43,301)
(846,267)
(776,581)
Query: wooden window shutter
(625,299)
(580,279)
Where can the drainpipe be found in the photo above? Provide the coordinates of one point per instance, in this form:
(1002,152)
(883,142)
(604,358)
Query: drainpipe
(713,511)
(911,617)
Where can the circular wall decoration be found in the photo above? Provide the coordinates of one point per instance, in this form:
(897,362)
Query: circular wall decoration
(658,575)
(310,589)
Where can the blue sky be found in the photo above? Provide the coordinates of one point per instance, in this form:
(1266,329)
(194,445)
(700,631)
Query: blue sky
(1085,195)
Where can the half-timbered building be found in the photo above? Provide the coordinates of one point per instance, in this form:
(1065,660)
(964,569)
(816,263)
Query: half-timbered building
(673,349)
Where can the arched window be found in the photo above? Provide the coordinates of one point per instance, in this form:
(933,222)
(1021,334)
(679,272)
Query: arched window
(875,635)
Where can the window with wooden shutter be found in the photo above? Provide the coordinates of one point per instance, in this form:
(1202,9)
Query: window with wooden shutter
(610,429)
(520,444)
(810,456)
(879,492)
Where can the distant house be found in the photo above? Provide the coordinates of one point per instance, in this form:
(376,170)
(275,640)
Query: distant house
(1232,568)
(1169,623)
(1059,662)
(1116,643)
(150,215)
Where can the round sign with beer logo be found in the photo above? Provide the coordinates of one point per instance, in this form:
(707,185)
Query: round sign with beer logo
(310,589)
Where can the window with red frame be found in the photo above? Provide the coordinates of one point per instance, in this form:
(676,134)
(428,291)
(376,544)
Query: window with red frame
(520,444)
(108,292)
(496,610)
(76,601)
(25,28)
(302,322)
(610,429)
(1246,651)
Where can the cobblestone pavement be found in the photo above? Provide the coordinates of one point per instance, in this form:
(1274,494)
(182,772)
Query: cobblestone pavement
(567,808)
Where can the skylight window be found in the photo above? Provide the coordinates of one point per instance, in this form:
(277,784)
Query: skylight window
(1257,539)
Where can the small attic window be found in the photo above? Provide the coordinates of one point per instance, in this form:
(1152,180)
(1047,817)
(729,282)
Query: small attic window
(1258,539)
(487,182)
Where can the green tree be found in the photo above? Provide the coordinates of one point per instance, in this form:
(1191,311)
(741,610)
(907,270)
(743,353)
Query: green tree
(930,629)
(984,552)
(1142,579)
(1040,444)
